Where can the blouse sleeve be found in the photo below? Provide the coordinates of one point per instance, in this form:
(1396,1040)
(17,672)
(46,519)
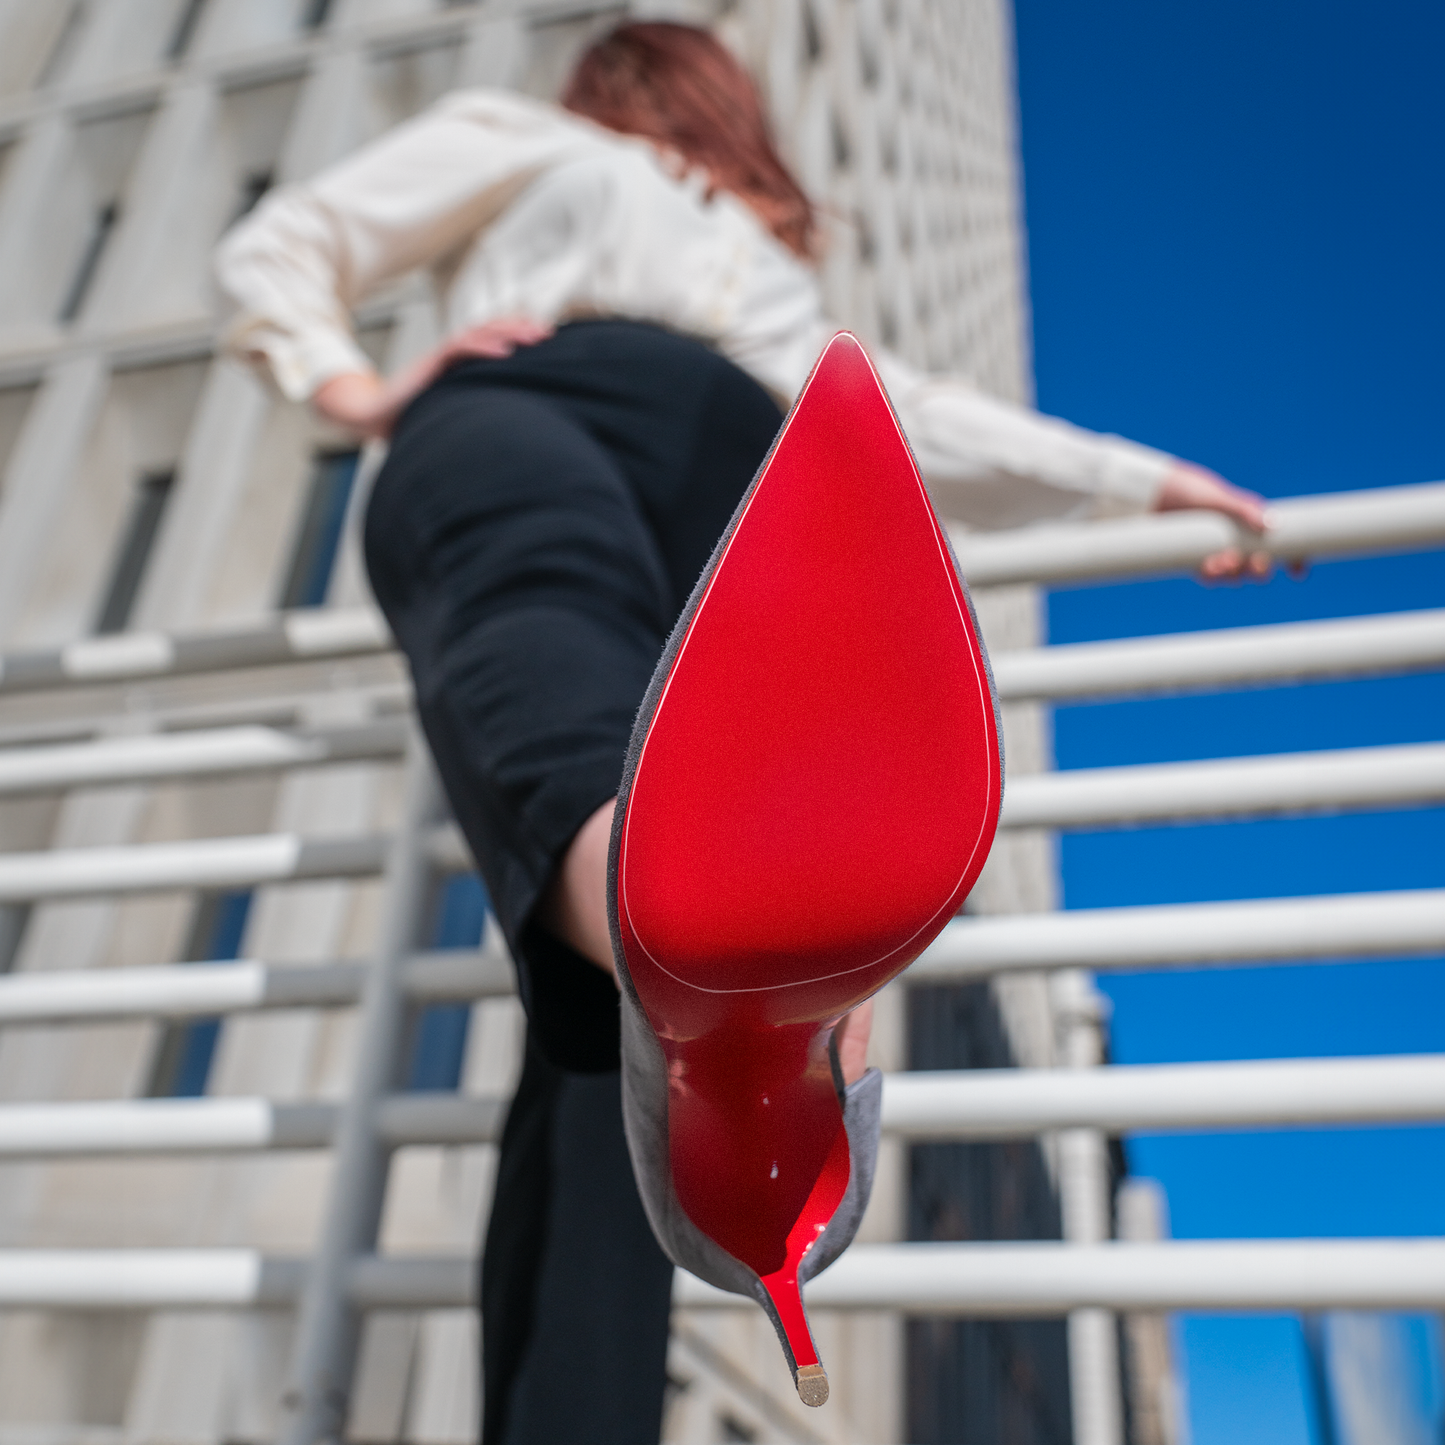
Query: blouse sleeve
(298,264)
(992,464)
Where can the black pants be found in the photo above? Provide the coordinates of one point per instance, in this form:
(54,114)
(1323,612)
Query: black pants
(532,538)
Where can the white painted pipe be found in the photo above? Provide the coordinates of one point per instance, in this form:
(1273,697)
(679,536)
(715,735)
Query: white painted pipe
(1054,1279)
(1015,1103)
(1394,642)
(319,632)
(161,755)
(968,1104)
(1285,782)
(115,993)
(225,1126)
(187,990)
(1379,520)
(211,752)
(198,863)
(130,1278)
(308,635)
(1367,925)
(152,1126)
(980,1280)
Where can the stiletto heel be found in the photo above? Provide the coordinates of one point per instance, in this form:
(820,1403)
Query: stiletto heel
(812,788)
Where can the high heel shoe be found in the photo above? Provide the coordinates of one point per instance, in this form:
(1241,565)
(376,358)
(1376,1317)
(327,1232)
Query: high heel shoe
(811,790)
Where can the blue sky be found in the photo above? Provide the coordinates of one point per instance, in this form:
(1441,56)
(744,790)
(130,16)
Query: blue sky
(1236,230)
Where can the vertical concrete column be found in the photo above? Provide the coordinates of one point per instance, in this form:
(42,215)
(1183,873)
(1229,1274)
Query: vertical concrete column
(38,482)
(152,279)
(1084,1196)
(37,166)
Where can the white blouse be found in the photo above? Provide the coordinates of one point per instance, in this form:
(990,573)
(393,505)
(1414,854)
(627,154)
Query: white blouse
(521,208)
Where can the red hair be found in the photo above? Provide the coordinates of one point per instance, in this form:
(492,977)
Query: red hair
(679,86)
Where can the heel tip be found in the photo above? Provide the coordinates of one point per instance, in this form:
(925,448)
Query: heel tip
(812,1382)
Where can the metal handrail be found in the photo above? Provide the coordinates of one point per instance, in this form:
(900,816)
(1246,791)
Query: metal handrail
(1020,1103)
(205,989)
(307,635)
(198,753)
(197,863)
(1371,925)
(131,1127)
(1363,925)
(1383,519)
(981,1280)
(246,862)
(1227,787)
(1355,777)
(1227,656)
(952,1105)
(1047,1278)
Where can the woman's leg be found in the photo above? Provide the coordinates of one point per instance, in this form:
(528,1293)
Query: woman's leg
(531,548)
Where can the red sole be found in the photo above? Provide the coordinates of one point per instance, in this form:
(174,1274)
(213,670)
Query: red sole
(814,795)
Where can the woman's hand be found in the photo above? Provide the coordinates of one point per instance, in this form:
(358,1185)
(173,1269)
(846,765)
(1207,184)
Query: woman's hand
(364,403)
(1191,488)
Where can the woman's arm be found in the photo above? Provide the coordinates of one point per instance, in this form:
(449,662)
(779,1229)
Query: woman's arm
(299,263)
(366,403)
(993,464)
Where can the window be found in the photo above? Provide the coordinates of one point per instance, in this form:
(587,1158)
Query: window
(13,920)
(253,187)
(152,493)
(319,539)
(314,13)
(102,226)
(438,1045)
(182,1065)
(185,30)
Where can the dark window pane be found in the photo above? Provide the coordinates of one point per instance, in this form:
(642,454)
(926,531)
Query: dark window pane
(101,227)
(314,13)
(438,1043)
(314,557)
(182,1064)
(185,30)
(253,187)
(14,918)
(144,524)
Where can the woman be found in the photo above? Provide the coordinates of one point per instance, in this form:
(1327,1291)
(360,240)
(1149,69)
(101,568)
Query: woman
(629,300)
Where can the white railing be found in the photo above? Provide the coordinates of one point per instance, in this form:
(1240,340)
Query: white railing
(1282,783)
(229,1126)
(1016,1103)
(1370,925)
(1056,1279)
(1078,1104)
(102,995)
(169,757)
(920,1107)
(985,1280)
(197,863)
(1291,651)
(1386,519)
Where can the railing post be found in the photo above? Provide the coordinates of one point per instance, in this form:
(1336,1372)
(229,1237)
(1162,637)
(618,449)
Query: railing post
(313,1408)
(1095,1386)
